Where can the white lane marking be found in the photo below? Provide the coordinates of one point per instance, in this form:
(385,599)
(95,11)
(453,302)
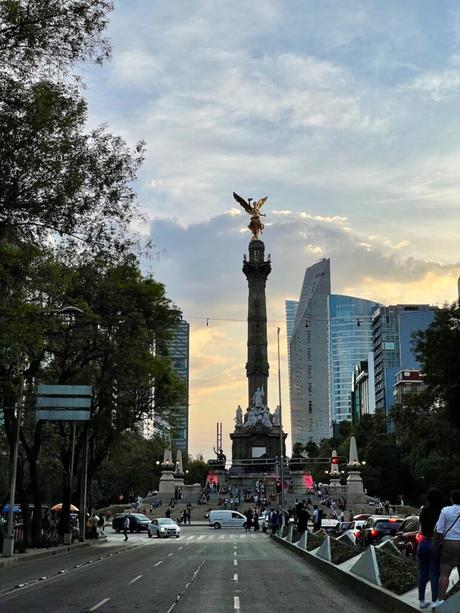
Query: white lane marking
(190,537)
(200,538)
(221,537)
(235,577)
(99,604)
(179,596)
(180,548)
(170,554)
(236,603)
(135,579)
(158,563)
(235,562)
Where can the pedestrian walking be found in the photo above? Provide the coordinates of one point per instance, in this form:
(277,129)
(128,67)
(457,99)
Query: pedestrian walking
(101,524)
(189,516)
(447,535)
(428,554)
(249,517)
(168,512)
(126,526)
(255,520)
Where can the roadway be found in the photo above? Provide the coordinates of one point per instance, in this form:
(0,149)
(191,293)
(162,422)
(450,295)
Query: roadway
(204,570)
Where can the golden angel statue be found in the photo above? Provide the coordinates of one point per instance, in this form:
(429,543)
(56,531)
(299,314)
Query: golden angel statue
(255,225)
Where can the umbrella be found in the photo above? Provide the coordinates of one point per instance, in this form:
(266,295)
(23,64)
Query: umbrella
(58,507)
(16,508)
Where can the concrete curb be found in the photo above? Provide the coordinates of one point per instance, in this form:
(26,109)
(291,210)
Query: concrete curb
(39,554)
(379,596)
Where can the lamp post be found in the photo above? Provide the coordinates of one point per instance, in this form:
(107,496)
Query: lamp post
(281,421)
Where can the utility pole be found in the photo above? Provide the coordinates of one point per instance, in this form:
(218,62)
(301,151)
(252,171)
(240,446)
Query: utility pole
(8,541)
(281,422)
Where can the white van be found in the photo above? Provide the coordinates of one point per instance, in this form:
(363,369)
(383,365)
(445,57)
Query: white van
(226,519)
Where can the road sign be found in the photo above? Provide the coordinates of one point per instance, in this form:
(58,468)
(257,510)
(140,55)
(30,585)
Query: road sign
(63,402)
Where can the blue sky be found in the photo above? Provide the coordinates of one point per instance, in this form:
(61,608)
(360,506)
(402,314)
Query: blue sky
(345,113)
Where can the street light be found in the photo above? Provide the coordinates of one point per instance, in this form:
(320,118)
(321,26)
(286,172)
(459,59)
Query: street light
(281,421)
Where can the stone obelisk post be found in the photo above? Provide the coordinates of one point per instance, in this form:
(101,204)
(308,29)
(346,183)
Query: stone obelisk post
(257,268)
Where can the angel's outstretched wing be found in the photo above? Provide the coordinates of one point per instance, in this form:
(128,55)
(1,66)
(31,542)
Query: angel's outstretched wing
(243,203)
(260,203)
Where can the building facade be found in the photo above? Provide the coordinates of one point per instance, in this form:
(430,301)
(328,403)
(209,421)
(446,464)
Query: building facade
(349,342)
(179,352)
(291,311)
(308,358)
(392,338)
(407,382)
(363,389)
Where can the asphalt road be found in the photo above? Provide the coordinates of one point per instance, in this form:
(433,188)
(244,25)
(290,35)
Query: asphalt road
(203,570)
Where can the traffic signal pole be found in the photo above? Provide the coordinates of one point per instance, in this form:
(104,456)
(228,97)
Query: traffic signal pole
(281,424)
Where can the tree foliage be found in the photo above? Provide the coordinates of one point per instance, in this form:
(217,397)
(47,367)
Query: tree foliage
(42,36)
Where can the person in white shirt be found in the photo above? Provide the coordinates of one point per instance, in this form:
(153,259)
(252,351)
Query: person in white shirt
(448,528)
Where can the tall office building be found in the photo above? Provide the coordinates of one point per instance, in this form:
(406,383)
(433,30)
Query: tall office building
(291,311)
(308,358)
(349,342)
(392,331)
(179,352)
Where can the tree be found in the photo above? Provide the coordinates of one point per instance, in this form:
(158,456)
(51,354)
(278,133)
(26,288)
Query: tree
(42,36)
(437,349)
(55,177)
(110,347)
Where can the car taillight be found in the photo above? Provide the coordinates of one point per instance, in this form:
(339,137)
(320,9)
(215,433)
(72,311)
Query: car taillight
(393,520)
(374,532)
(419,538)
(357,533)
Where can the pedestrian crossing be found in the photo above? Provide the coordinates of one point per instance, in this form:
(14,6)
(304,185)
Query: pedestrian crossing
(214,536)
(206,538)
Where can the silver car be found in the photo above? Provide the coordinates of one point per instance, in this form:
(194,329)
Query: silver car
(164,526)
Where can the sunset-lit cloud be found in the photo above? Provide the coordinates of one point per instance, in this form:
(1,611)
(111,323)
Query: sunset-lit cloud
(343,112)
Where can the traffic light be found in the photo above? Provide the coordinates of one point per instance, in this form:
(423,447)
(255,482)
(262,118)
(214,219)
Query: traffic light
(278,486)
(335,460)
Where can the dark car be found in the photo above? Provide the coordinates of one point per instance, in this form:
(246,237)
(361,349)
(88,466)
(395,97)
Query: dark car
(407,538)
(375,528)
(137,522)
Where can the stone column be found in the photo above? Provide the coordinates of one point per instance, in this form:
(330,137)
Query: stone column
(355,489)
(257,269)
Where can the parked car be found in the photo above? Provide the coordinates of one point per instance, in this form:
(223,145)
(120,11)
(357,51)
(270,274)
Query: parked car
(407,538)
(137,522)
(163,527)
(226,519)
(377,527)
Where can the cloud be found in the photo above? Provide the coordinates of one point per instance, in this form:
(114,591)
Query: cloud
(344,112)
(439,84)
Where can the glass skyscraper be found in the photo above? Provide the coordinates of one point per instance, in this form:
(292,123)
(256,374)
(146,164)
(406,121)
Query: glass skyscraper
(349,342)
(179,352)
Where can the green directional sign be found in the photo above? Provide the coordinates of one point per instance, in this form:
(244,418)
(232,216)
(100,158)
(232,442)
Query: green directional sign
(63,402)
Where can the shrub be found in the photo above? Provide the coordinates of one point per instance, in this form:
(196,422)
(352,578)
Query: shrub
(397,574)
(341,551)
(315,539)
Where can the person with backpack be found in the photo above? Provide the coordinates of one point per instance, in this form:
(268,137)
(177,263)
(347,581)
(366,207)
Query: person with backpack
(447,536)
(101,524)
